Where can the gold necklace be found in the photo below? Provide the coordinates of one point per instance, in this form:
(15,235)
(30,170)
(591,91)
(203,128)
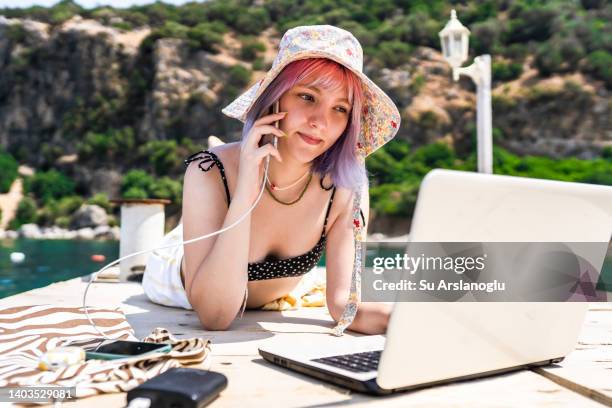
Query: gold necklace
(290,202)
(274,187)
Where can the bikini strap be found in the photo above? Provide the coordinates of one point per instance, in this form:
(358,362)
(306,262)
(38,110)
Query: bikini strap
(207,160)
(329,204)
(323,187)
(331,199)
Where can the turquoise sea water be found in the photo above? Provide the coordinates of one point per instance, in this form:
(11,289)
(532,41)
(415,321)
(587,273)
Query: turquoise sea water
(49,261)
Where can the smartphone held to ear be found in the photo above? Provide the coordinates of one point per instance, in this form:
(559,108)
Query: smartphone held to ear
(270,138)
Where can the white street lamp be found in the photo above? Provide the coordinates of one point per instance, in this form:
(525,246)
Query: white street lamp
(455,38)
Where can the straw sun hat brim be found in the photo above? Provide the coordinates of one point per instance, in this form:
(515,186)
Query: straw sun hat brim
(380,118)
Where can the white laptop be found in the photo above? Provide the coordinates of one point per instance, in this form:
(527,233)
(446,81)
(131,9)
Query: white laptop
(437,342)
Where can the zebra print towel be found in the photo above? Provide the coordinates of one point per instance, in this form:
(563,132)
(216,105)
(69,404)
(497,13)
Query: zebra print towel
(26,332)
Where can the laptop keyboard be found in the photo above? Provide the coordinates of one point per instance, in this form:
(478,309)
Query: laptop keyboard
(356,362)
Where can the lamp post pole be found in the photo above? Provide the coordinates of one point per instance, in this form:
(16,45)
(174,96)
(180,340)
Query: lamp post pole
(454,38)
(480,72)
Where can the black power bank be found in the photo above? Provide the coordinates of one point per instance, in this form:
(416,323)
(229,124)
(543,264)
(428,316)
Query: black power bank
(180,388)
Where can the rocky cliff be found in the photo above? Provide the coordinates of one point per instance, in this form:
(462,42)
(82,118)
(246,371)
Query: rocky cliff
(59,82)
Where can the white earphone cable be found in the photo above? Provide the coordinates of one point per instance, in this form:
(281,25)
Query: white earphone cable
(222,230)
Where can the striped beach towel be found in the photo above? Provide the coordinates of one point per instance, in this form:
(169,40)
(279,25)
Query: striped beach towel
(27,332)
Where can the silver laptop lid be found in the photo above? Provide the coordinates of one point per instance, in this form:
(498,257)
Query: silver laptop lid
(435,341)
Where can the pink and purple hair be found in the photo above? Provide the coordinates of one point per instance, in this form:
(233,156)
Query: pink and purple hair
(339,161)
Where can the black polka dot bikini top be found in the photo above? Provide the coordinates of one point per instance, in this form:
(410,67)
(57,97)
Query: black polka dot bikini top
(271,267)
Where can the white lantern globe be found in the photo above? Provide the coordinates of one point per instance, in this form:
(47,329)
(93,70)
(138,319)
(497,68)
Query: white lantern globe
(454,38)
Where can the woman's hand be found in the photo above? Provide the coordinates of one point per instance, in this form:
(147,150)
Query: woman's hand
(252,157)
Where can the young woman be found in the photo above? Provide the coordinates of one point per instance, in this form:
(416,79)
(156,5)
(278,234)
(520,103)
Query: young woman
(331,116)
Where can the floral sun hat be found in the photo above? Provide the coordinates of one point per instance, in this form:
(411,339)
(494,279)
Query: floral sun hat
(380,119)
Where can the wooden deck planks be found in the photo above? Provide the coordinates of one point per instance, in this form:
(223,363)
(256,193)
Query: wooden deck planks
(581,380)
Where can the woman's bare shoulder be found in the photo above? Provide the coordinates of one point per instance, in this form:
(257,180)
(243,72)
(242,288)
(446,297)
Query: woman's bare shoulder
(344,196)
(228,154)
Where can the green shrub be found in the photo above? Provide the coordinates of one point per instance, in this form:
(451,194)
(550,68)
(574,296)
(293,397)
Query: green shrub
(64,10)
(259,64)
(15,32)
(62,222)
(139,184)
(559,54)
(69,205)
(50,153)
(139,180)
(112,221)
(206,35)
(506,71)
(595,171)
(112,143)
(474,12)
(541,93)
(396,172)
(101,199)
(172,29)
(26,213)
(135,193)
(162,155)
(435,155)
(123,25)
(252,20)
(503,103)
(497,134)
(250,49)
(239,76)
(367,38)
(169,29)
(418,28)
(8,171)
(167,188)
(515,52)
(486,36)
(393,53)
(46,215)
(571,51)
(394,199)
(223,11)
(548,59)
(603,178)
(383,166)
(593,4)
(600,65)
(49,185)
(418,82)
(135,18)
(529,23)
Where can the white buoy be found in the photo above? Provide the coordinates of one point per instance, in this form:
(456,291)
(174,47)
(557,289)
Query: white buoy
(17,257)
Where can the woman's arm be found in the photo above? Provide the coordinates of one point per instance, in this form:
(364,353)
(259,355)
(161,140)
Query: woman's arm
(372,317)
(215,268)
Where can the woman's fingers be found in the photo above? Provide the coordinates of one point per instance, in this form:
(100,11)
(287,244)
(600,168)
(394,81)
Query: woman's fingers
(264,120)
(257,133)
(252,155)
(266,150)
